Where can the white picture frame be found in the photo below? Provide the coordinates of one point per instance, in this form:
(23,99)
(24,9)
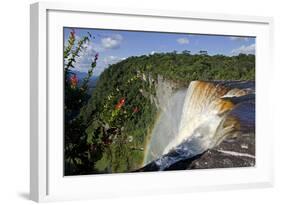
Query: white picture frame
(47,182)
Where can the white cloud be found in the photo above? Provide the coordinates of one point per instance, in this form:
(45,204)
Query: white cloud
(94,47)
(152,52)
(111,60)
(238,38)
(111,42)
(245,49)
(183,40)
(86,57)
(102,64)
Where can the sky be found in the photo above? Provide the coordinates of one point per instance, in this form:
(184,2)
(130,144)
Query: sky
(116,45)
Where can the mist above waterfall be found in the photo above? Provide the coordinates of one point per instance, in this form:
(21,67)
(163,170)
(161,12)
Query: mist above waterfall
(193,120)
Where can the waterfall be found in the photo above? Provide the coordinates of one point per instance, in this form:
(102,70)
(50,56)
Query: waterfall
(194,120)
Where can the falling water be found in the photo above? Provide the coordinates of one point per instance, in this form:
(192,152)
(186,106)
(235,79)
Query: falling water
(194,120)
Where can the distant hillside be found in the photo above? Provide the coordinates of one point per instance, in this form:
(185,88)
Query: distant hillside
(128,96)
(81,75)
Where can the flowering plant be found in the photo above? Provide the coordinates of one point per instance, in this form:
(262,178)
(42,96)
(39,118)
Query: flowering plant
(76,150)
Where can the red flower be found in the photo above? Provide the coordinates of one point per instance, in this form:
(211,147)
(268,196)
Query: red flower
(74,80)
(72,33)
(120,103)
(135,110)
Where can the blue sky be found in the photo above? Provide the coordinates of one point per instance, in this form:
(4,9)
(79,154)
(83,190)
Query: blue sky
(115,45)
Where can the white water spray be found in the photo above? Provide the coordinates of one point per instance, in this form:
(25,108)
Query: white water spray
(197,114)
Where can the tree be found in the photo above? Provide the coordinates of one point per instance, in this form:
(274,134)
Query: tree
(201,52)
(186,52)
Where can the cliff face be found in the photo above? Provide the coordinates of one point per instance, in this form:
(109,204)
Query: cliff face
(161,90)
(164,90)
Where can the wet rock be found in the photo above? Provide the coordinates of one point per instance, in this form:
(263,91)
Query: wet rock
(232,152)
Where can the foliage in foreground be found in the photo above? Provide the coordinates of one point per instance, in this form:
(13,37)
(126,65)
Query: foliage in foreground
(77,153)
